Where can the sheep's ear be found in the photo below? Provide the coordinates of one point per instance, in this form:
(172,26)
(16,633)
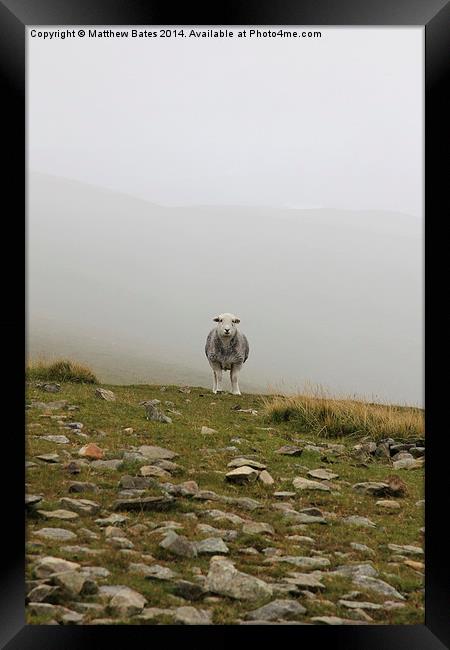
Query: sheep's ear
(216,319)
(236,320)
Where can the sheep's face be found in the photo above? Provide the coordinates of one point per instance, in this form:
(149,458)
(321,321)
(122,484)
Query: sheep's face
(226,325)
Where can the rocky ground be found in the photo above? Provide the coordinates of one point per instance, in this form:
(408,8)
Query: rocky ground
(163,505)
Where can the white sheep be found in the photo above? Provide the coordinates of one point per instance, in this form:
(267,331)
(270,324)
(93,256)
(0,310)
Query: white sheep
(226,349)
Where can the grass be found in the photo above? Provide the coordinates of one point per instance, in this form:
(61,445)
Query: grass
(204,459)
(331,417)
(60,370)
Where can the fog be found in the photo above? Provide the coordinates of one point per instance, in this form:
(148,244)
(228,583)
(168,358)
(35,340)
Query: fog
(280,182)
(322,295)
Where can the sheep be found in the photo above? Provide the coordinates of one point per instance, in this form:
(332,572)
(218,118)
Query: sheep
(226,349)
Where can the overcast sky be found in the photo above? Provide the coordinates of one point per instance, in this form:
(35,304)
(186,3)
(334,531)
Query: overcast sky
(334,122)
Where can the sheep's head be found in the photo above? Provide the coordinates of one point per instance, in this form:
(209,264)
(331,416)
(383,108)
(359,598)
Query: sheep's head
(226,324)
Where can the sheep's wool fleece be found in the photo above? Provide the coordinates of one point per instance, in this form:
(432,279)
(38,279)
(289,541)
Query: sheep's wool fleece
(234,352)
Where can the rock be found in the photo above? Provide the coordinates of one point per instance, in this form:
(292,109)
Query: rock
(367,447)
(74,425)
(249,550)
(353,604)
(135,482)
(417,452)
(112,520)
(112,465)
(71,618)
(227,516)
(152,613)
(120,542)
(302,562)
(417,566)
(82,506)
(168,466)
(335,620)
(91,450)
(95,571)
(179,545)
(57,534)
(376,489)
(289,450)
(227,535)
(44,594)
(388,506)
(191,616)
(246,462)
(351,570)
(356,520)
(376,585)
(73,467)
(207,431)
(153,470)
(77,550)
(242,502)
(156,453)
(184,389)
(211,546)
(224,579)
(186,489)
(128,430)
(48,458)
(155,415)
(265,478)
(304,581)
(60,440)
(323,474)
(107,395)
(158,572)
(408,463)
(32,499)
(49,387)
(402,455)
(240,475)
(127,602)
(188,590)
(257,528)
(300,538)
(362,547)
(49,565)
(382,451)
(405,549)
(154,504)
(277,609)
(79,486)
(113,531)
(74,583)
(305,484)
(58,514)
(303,518)
(284,495)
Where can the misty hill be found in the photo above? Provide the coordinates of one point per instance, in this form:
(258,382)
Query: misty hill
(325,296)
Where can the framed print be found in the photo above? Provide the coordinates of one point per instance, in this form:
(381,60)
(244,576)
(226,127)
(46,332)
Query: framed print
(228,220)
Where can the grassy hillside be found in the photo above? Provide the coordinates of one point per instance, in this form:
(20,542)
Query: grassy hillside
(251,426)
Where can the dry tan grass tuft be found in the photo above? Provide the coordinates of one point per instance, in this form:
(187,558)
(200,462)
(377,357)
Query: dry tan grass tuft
(60,370)
(328,416)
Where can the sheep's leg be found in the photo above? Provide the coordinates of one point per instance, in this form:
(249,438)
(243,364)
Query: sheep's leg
(234,376)
(219,380)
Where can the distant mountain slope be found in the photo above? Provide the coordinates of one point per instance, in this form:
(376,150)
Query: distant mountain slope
(326,296)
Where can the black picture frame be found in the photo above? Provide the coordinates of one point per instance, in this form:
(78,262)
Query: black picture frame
(15,15)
